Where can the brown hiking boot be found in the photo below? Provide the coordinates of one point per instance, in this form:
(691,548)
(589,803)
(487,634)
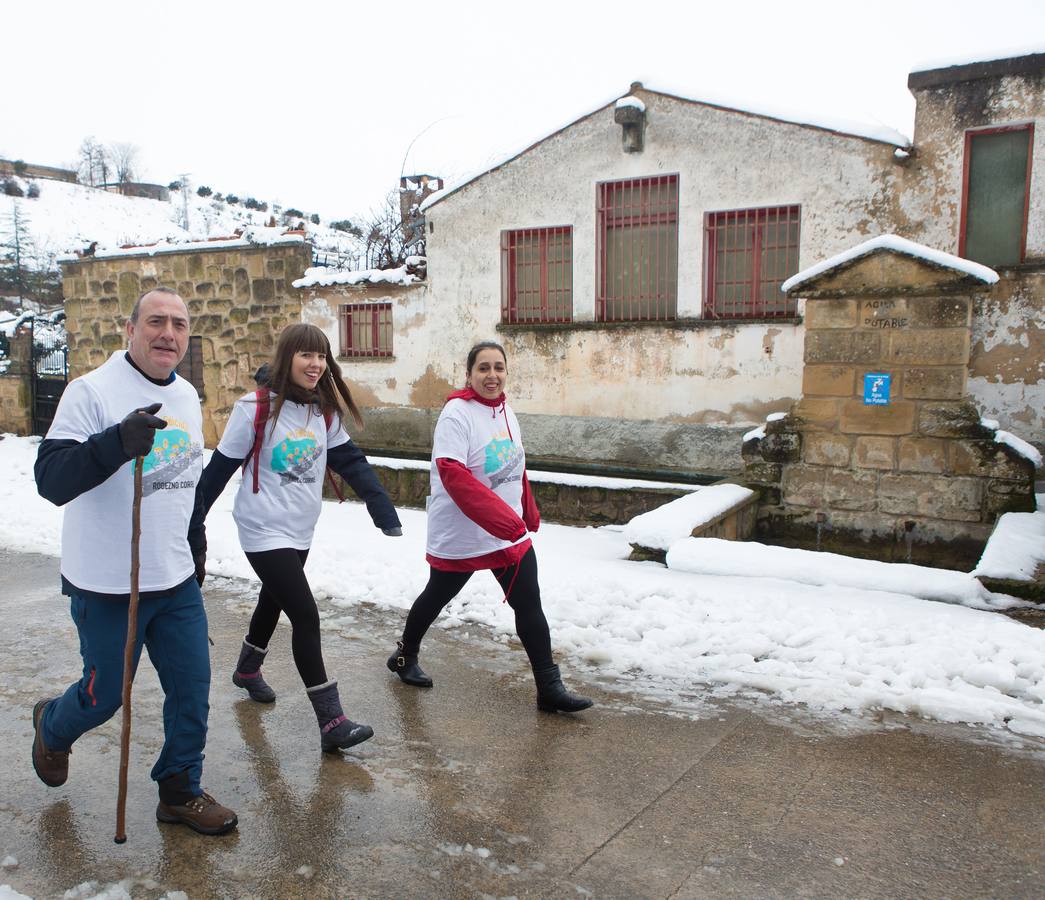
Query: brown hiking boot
(203,814)
(51,765)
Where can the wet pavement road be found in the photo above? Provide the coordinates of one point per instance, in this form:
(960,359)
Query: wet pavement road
(468,791)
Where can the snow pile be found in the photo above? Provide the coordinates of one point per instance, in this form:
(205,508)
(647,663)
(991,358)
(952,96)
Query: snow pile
(9,893)
(1029,451)
(659,528)
(1016,547)
(900,245)
(760,432)
(710,556)
(770,639)
(320,276)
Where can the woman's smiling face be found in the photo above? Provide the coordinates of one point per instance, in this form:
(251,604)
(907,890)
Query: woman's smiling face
(488,374)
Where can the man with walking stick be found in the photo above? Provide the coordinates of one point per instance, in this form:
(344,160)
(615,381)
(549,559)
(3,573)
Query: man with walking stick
(133,405)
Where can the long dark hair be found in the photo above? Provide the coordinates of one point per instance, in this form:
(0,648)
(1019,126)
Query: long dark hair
(331,394)
(477,349)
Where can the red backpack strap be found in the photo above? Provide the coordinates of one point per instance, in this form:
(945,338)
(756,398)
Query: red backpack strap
(328,417)
(261,414)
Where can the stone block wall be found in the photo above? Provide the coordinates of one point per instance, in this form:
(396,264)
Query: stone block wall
(15,392)
(239,299)
(918,478)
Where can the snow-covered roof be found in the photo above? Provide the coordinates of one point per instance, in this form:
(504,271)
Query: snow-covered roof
(253,236)
(947,62)
(321,276)
(898,245)
(846,127)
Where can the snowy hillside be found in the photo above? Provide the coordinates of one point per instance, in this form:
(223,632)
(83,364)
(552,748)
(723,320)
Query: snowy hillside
(66,217)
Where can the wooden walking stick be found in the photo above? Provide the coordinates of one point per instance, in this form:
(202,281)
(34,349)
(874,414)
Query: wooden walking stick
(128,653)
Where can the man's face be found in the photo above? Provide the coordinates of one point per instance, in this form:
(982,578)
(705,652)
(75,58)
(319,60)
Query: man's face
(160,337)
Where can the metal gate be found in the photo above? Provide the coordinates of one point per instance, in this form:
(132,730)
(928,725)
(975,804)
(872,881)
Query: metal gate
(48,371)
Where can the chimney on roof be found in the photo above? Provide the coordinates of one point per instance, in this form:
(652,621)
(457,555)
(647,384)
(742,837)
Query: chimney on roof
(630,114)
(413,191)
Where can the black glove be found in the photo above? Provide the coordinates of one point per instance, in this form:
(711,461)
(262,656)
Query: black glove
(200,559)
(138,430)
(393,532)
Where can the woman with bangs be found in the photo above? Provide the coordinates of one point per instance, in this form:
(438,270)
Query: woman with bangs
(284,436)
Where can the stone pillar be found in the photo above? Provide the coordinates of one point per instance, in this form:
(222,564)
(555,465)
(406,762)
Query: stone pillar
(885,455)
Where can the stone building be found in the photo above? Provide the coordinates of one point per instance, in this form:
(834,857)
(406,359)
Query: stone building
(239,296)
(975,187)
(631,264)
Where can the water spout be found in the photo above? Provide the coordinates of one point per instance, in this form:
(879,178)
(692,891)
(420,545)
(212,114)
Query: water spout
(908,537)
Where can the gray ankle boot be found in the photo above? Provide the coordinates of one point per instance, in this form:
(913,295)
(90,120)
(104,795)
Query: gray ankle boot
(248,674)
(336,730)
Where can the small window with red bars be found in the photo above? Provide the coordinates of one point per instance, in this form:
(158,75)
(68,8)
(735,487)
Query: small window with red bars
(366,329)
(748,254)
(537,275)
(638,237)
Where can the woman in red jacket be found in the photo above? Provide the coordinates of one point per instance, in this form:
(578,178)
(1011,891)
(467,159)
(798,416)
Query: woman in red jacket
(480,514)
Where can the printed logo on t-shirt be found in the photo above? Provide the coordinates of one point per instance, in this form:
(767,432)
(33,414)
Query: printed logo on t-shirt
(294,457)
(503,458)
(173,451)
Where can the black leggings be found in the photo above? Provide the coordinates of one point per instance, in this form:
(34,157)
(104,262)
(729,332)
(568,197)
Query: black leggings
(524,596)
(284,588)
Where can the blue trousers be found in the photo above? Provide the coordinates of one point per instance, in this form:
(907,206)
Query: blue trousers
(173,629)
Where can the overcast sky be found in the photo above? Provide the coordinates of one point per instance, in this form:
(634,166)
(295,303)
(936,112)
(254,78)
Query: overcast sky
(323,105)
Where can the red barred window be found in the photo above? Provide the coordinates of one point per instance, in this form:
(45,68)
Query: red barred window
(748,254)
(366,329)
(537,275)
(638,238)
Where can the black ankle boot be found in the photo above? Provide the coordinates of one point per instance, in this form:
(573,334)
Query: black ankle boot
(552,695)
(405,666)
(248,674)
(336,730)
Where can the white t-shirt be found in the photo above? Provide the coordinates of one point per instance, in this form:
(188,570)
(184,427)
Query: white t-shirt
(96,531)
(292,464)
(488,442)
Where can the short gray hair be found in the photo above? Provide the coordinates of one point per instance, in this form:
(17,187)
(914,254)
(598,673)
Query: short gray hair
(156,290)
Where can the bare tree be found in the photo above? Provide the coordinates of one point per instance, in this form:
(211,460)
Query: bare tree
(383,235)
(93,163)
(124,158)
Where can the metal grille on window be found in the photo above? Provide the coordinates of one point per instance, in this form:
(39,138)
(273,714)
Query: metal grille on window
(537,275)
(749,253)
(366,329)
(637,238)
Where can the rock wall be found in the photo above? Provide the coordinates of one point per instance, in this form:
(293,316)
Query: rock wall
(909,473)
(239,300)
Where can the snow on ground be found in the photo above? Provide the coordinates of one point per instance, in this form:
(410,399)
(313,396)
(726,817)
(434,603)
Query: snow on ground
(828,646)
(68,217)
